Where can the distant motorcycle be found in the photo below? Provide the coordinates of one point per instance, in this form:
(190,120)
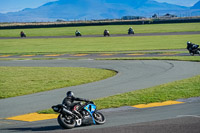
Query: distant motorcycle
(193,48)
(78,34)
(81,114)
(131,31)
(22,34)
(106,33)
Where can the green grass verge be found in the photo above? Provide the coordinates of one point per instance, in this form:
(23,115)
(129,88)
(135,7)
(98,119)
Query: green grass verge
(99,44)
(16,81)
(94,30)
(170,91)
(177,58)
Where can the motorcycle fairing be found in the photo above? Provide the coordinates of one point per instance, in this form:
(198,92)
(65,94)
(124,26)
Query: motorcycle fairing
(91,108)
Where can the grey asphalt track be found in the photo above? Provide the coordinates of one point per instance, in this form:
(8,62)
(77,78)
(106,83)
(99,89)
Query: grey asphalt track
(183,118)
(100,56)
(132,75)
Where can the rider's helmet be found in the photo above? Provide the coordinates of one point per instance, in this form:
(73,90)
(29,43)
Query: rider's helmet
(188,42)
(70,94)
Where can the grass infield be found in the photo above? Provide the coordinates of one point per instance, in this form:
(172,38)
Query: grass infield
(93,45)
(98,30)
(176,58)
(16,81)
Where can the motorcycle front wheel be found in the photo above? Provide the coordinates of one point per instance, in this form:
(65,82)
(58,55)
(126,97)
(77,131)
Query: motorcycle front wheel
(99,118)
(66,121)
(198,52)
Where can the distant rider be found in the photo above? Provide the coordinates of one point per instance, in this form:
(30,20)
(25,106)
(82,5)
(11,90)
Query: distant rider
(22,34)
(130,29)
(106,32)
(191,46)
(78,33)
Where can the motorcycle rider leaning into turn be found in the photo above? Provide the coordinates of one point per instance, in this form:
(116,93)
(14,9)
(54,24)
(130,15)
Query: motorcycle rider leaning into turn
(69,101)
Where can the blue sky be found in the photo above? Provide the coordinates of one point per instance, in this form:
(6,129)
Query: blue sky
(16,5)
(180,2)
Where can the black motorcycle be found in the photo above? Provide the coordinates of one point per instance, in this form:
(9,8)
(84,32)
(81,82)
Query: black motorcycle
(78,34)
(131,31)
(22,34)
(193,49)
(82,113)
(106,33)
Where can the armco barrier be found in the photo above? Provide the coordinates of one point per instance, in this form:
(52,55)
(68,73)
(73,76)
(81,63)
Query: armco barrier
(97,23)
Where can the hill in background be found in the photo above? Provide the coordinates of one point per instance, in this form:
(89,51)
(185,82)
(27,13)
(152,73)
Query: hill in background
(97,9)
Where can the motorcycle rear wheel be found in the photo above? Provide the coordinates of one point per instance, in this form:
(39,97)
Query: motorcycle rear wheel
(66,122)
(191,53)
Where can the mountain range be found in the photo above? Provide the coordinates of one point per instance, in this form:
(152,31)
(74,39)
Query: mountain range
(97,9)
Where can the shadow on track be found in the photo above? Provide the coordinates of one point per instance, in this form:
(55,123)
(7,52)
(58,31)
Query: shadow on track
(35,129)
(52,128)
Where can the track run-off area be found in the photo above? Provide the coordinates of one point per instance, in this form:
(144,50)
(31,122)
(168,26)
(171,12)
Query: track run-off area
(132,75)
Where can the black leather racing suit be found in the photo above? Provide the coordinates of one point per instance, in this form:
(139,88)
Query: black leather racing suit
(69,101)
